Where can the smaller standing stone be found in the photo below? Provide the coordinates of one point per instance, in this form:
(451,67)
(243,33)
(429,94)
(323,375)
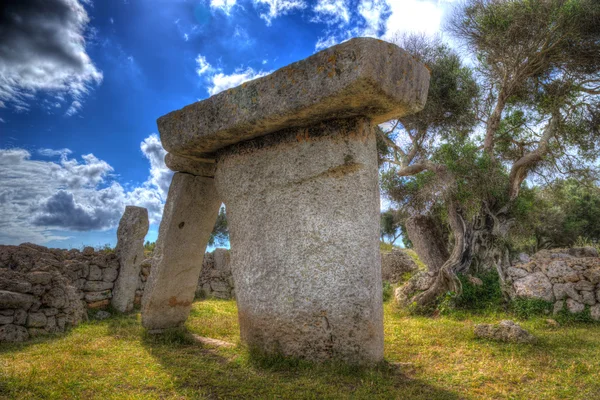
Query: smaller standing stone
(130,252)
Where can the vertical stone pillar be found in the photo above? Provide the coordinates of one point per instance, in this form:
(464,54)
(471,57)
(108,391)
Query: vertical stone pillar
(132,230)
(188,219)
(303,214)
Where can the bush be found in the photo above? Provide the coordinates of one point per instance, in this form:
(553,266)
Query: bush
(486,296)
(388,291)
(528,308)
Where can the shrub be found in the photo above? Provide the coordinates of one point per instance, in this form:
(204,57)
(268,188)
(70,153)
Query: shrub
(486,296)
(528,308)
(388,291)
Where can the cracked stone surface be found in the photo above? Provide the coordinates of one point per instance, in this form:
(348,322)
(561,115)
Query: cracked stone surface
(188,218)
(361,77)
(304,232)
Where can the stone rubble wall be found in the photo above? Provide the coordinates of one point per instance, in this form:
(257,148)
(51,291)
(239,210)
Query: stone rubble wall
(46,290)
(567,277)
(216,279)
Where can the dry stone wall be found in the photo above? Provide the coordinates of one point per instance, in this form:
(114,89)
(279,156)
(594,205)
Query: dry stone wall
(569,278)
(46,290)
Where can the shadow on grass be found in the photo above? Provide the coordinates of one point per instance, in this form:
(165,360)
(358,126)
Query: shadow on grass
(239,373)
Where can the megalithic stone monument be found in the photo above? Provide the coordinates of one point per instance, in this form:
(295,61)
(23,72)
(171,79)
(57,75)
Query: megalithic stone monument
(294,159)
(132,230)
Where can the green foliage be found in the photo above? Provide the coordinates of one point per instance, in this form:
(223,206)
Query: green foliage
(106,248)
(388,291)
(558,215)
(149,246)
(220,234)
(487,296)
(567,318)
(529,308)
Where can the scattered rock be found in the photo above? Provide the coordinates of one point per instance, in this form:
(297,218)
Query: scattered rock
(395,264)
(505,331)
(100,315)
(552,323)
(475,281)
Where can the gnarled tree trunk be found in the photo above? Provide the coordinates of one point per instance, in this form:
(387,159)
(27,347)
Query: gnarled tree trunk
(428,242)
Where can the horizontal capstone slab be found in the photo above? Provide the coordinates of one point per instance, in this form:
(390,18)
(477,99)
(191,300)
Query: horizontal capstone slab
(362,77)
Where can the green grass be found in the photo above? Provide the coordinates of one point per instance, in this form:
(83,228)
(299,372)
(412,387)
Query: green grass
(426,358)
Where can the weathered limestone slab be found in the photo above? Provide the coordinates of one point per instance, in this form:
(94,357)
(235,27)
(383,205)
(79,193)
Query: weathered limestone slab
(362,77)
(188,218)
(132,230)
(303,213)
(191,166)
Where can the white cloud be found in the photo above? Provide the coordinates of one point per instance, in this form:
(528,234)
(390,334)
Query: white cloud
(221,81)
(1,120)
(224,5)
(54,153)
(276,8)
(43,48)
(203,65)
(332,12)
(325,42)
(380,18)
(414,16)
(39,197)
(74,108)
(372,12)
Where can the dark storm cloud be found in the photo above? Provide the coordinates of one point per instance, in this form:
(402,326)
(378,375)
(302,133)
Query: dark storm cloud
(61,211)
(42,47)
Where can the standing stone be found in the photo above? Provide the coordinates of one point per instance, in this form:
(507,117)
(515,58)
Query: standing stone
(306,264)
(188,219)
(130,252)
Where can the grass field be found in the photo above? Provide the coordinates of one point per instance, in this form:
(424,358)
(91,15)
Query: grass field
(425,359)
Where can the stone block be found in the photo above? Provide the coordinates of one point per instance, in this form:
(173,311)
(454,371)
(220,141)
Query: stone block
(564,290)
(535,285)
(98,304)
(584,285)
(574,307)
(361,77)
(95,273)
(110,274)
(20,317)
(16,300)
(55,297)
(39,277)
(588,297)
(6,319)
(36,320)
(595,312)
(130,252)
(190,166)
(97,286)
(305,261)
(97,296)
(188,219)
(13,333)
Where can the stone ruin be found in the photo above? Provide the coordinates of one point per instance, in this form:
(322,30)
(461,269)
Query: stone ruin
(569,278)
(132,230)
(293,157)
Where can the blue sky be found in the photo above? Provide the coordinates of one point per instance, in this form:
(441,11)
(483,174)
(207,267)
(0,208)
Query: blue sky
(79,98)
